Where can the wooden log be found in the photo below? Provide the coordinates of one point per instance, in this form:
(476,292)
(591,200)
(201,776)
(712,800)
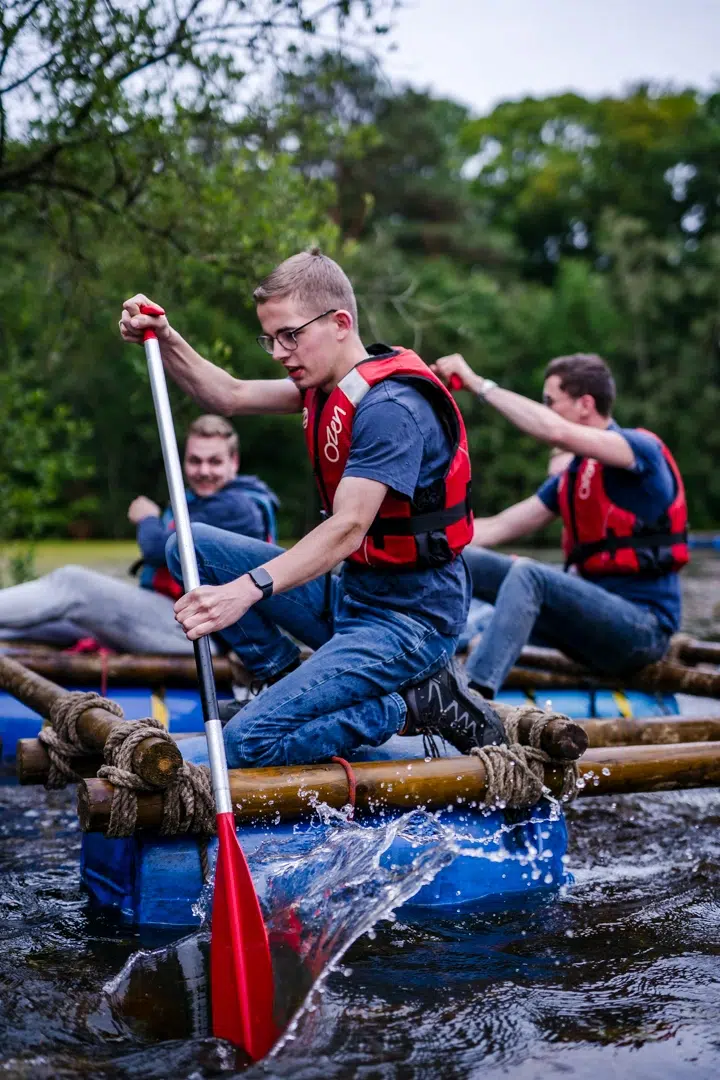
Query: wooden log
(269,795)
(155,760)
(32,764)
(655,730)
(122,669)
(291,792)
(618,770)
(563,739)
(663,677)
(537,669)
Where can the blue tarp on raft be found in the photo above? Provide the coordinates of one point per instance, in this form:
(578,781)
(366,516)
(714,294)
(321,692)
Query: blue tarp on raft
(500,856)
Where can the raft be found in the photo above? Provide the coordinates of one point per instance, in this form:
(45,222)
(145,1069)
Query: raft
(180,712)
(503,857)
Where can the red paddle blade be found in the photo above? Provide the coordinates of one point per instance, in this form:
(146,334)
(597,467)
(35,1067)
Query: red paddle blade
(241,976)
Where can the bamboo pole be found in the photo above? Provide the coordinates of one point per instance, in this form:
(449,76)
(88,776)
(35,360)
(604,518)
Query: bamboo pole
(538,669)
(269,795)
(651,731)
(32,762)
(154,760)
(663,677)
(561,739)
(122,669)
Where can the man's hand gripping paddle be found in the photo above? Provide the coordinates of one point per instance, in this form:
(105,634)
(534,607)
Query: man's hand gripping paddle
(240,967)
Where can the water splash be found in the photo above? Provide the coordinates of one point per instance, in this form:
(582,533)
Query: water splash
(323,886)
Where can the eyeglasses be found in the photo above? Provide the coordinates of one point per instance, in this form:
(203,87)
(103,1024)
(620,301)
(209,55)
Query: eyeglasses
(287,338)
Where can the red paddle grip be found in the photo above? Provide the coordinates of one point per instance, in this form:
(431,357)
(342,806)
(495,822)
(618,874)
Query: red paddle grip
(150,309)
(455,382)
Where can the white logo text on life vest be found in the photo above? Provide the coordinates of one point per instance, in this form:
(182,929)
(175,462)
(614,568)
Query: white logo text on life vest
(332,434)
(585,488)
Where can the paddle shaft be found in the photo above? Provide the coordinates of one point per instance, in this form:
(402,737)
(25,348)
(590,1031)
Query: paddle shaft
(191,577)
(241,978)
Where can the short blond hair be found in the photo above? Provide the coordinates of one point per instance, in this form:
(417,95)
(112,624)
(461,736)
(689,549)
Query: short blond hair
(313,279)
(209,426)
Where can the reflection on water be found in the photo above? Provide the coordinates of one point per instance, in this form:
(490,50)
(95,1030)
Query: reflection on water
(619,975)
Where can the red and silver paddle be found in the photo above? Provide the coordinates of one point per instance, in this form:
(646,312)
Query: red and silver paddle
(241,976)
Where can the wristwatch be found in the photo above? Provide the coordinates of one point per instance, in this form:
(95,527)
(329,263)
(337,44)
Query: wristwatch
(486,387)
(262,579)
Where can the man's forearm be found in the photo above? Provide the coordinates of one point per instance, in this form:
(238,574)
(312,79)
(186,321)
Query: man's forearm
(203,381)
(316,554)
(527,415)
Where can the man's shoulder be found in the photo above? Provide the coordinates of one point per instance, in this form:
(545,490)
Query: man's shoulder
(646,447)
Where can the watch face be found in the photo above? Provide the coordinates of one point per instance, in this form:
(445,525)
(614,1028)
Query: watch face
(263,580)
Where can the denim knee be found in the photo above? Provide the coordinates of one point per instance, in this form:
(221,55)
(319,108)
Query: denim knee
(172,555)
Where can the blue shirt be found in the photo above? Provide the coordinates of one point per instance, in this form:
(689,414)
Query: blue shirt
(646,490)
(398,440)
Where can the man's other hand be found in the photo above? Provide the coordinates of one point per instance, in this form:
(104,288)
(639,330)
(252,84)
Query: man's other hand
(456,365)
(142,507)
(210,608)
(133,324)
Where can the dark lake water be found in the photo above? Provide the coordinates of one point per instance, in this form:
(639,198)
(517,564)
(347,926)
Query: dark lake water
(618,976)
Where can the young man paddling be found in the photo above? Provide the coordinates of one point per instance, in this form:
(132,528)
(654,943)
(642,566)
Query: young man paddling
(73,602)
(622,503)
(389,452)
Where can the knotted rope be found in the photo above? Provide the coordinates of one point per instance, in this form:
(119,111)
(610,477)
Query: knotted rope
(188,803)
(515,774)
(61,739)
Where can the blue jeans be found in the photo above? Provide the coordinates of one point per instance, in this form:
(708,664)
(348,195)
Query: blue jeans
(347,694)
(582,619)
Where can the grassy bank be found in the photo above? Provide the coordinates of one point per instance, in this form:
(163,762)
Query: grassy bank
(108,556)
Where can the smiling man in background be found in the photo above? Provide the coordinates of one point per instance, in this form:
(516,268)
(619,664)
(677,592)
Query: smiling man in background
(74,603)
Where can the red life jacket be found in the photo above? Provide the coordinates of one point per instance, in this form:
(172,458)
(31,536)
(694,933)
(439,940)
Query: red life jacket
(433,527)
(600,537)
(163,582)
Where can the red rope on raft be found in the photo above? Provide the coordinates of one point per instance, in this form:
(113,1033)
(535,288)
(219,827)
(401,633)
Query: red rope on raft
(352,782)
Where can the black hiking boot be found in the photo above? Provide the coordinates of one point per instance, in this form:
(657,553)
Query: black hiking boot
(444,705)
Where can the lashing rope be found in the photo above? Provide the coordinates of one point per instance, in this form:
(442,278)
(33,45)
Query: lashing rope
(515,774)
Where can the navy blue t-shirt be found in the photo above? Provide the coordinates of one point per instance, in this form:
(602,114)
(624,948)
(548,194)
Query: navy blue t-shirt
(647,489)
(398,440)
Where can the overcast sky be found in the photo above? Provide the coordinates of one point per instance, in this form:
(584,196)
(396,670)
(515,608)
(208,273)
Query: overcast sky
(484,51)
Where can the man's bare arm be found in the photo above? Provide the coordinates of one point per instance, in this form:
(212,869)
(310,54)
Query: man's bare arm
(355,507)
(210,608)
(608,447)
(518,520)
(205,382)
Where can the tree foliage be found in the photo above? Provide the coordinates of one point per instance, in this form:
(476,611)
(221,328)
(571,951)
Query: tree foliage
(135,155)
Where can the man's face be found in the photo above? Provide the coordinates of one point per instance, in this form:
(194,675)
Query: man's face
(208,464)
(578,410)
(313,362)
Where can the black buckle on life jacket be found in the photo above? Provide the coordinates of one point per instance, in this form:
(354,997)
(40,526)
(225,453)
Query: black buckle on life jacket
(417,524)
(613,544)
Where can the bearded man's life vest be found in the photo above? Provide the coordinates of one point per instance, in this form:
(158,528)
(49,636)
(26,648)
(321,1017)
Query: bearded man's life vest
(600,537)
(433,527)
